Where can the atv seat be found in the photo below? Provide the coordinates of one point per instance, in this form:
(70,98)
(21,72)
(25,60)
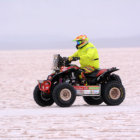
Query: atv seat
(96,73)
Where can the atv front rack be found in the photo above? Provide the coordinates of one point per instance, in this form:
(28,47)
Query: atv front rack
(44,85)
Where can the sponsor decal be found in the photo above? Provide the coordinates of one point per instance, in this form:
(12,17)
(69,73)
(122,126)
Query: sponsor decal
(88,90)
(87,87)
(93,87)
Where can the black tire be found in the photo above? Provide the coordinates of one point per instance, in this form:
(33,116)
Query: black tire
(116,88)
(115,77)
(64,95)
(42,99)
(93,100)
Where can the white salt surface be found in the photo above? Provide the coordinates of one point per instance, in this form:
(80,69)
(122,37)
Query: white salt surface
(22,119)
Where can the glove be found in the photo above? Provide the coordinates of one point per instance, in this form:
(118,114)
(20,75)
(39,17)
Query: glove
(73,58)
(76,58)
(70,58)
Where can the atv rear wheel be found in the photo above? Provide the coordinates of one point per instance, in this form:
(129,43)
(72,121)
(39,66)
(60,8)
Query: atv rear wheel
(113,93)
(115,77)
(64,95)
(41,98)
(93,100)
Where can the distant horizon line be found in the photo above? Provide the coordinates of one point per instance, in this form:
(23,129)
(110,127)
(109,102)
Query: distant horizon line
(45,49)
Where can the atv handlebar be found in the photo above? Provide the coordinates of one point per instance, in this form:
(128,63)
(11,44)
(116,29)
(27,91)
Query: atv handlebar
(66,59)
(66,62)
(62,61)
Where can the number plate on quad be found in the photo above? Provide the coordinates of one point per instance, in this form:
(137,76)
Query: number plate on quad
(88,90)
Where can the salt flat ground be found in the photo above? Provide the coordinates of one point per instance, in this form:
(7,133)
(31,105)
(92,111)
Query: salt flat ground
(22,119)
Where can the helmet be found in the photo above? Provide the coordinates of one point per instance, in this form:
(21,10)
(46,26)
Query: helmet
(81,37)
(81,40)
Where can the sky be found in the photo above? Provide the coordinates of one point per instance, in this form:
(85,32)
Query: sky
(33,24)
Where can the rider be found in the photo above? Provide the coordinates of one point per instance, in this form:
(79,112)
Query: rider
(87,53)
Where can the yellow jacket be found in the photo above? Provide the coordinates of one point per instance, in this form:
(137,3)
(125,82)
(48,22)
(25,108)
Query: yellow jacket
(87,55)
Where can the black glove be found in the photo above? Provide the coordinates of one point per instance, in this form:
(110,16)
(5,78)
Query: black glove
(75,58)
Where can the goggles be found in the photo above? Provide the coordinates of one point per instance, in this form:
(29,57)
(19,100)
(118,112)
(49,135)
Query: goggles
(79,42)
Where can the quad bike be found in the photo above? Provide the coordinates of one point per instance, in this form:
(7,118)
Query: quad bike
(64,84)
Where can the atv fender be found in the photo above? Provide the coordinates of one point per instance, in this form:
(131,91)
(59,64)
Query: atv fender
(104,75)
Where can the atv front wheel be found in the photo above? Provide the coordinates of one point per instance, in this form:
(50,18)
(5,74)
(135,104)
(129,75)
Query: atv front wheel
(41,98)
(64,95)
(93,100)
(113,93)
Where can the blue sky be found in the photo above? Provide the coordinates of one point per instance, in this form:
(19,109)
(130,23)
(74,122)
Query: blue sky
(44,22)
